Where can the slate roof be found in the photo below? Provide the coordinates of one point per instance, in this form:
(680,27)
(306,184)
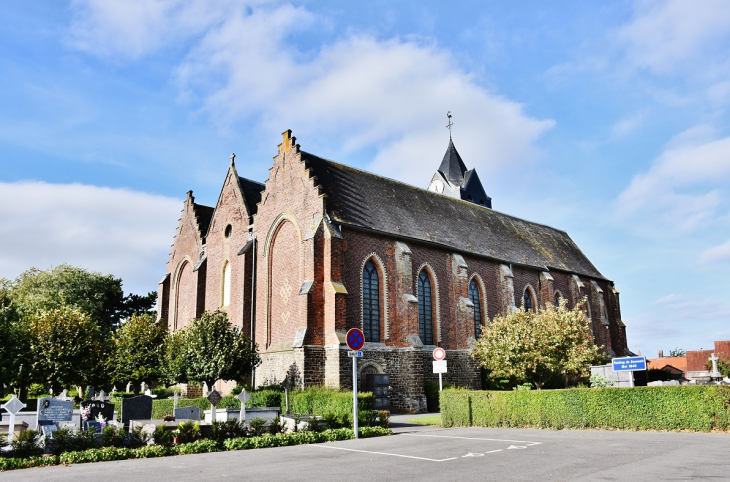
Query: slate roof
(452,167)
(203,215)
(251,193)
(361,199)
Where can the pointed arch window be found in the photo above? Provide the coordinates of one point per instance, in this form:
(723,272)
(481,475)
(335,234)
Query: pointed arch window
(425,308)
(226,287)
(476,298)
(557,299)
(371,302)
(527,300)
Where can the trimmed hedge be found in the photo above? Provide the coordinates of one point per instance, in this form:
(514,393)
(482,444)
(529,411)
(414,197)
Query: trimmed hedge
(694,408)
(325,401)
(197,447)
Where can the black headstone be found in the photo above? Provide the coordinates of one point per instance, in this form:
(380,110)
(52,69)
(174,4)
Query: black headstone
(187,413)
(136,408)
(54,410)
(97,407)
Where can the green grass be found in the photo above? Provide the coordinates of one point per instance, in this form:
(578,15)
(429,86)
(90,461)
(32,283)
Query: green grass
(430,420)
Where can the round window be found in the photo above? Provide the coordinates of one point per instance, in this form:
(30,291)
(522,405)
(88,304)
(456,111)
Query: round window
(228,231)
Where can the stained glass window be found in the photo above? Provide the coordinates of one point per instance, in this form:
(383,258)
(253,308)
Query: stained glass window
(371,302)
(476,298)
(425,308)
(527,301)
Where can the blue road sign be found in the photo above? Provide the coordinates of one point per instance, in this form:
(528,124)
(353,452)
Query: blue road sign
(629,364)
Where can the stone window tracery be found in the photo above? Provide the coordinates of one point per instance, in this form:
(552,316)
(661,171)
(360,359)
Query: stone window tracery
(371,302)
(476,298)
(425,308)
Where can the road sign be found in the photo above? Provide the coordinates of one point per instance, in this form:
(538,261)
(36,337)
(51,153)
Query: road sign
(439,366)
(629,364)
(439,354)
(355,339)
(352,354)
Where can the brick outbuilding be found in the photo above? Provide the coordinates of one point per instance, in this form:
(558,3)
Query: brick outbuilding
(322,247)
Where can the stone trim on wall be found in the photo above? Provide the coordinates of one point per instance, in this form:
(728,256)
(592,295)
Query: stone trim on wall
(436,295)
(383,290)
(175,287)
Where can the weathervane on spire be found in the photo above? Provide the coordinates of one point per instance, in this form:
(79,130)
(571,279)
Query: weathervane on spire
(448,114)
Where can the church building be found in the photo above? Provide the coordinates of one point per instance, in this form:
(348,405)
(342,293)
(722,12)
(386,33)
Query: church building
(322,247)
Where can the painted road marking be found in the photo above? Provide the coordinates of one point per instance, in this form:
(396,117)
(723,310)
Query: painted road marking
(382,453)
(473,438)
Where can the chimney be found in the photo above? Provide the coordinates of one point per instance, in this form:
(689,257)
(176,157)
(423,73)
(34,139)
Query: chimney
(661,353)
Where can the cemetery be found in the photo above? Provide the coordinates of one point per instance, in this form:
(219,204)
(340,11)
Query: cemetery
(118,426)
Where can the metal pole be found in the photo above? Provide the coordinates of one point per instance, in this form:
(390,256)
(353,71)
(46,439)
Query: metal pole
(631,379)
(441,385)
(354,395)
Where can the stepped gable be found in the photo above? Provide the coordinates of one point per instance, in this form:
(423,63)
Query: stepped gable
(365,200)
(203,216)
(251,193)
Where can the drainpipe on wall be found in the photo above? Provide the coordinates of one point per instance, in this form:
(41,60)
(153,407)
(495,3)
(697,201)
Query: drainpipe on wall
(253,308)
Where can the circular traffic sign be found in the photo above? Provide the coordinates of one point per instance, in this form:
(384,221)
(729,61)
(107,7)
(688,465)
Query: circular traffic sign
(439,354)
(355,339)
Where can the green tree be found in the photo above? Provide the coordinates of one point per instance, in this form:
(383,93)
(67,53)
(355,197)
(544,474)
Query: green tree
(677,352)
(15,369)
(101,296)
(209,349)
(538,346)
(65,348)
(136,350)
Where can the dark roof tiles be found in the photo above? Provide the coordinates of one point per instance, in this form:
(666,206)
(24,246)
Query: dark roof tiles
(365,200)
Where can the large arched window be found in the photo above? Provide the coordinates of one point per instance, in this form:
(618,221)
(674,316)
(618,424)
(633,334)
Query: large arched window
(476,297)
(527,300)
(371,302)
(226,287)
(425,308)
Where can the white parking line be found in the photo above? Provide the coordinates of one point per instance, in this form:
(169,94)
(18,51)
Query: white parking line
(381,453)
(471,438)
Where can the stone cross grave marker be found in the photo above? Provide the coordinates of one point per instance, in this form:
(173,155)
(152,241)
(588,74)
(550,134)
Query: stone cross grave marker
(12,406)
(129,387)
(174,403)
(243,397)
(214,398)
(143,387)
(136,408)
(188,413)
(51,411)
(287,384)
(715,373)
(102,396)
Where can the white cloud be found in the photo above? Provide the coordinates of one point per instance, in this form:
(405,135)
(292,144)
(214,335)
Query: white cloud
(358,92)
(114,231)
(667,34)
(678,194)
(716,254)
(628,124)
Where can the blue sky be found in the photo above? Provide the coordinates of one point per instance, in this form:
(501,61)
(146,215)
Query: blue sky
(607,119)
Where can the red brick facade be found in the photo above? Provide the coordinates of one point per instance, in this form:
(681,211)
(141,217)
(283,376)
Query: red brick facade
(309,276)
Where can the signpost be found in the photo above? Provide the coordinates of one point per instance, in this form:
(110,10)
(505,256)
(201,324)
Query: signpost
(355,340)
(439,364)
(629,364)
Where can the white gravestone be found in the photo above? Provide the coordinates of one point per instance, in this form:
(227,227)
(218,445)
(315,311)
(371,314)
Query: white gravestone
(13,406)
(715,372)
(243,397)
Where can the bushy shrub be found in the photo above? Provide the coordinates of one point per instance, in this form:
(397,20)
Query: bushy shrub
(188,432)
(27,444)
(137,438)
(113,437)
(231,428)
(320,401)
(257,426)
(162,437)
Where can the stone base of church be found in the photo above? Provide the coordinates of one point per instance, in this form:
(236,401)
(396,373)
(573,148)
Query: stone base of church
(409,369)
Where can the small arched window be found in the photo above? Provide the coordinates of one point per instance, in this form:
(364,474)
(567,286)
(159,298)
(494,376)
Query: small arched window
(476,297)
(557,299)
(425,308)
(226,288)
(371,302)
(527,300)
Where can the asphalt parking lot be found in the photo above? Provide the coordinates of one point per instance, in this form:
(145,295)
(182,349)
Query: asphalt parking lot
(433,453)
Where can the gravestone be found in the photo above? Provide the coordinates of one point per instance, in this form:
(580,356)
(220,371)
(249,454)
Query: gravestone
(12,406)
(143,387)
(102,396)
(64,396)
(51,411)
(129,387)
(214,398)
(244,397)
(136,408)
(92,424)
(90,392)
(188,413)
(98,407)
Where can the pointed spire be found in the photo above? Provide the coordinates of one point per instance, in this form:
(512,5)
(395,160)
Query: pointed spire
(452,167)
